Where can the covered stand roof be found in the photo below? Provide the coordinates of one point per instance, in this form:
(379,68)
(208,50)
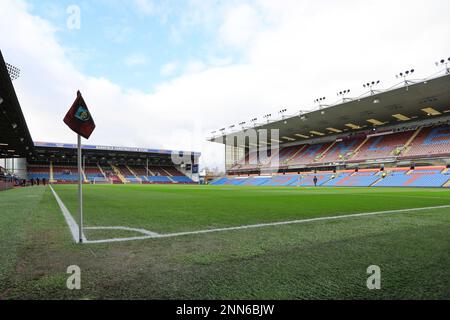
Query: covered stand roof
(401,104)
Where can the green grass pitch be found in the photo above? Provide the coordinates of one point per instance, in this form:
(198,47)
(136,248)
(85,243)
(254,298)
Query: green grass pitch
(315,260)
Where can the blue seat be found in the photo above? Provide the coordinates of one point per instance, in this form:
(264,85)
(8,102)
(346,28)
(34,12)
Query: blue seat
(182,179)
(162,179)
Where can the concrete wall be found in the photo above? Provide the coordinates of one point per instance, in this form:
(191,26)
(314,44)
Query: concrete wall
(16,166)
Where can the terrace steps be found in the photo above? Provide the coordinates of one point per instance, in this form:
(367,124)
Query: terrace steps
(326,151)
(408,143)
(51,172)
(376,182)
(296,153)
(101,170)
(119,174)
(151,172)
(85,179)
(167,172)
(356,151)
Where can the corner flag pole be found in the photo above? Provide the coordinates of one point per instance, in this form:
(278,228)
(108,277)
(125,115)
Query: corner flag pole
(79,119)
(80,191)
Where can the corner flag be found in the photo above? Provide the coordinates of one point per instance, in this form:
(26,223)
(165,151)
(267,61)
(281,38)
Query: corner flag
(79,118)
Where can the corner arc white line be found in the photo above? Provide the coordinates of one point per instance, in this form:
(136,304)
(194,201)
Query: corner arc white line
(120,239)
(263,225)
(143,231)
(73,226)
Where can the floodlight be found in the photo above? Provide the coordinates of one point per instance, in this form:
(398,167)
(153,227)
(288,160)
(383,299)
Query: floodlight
(13,71)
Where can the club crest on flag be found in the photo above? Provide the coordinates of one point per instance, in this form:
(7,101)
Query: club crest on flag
(82,114)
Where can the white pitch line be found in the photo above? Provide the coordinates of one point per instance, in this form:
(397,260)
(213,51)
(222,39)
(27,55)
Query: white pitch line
(146,232)
(263,225)
(73,226)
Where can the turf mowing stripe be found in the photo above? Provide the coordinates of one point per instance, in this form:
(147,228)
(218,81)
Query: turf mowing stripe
(262,225)
(73,226)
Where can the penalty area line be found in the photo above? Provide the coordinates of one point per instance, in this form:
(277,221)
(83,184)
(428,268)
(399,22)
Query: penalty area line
(264,225)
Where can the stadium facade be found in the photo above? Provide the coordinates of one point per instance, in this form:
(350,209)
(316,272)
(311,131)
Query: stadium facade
(397,137)
(23,159)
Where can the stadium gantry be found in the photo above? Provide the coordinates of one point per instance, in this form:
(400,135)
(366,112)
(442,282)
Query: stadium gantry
(399,137)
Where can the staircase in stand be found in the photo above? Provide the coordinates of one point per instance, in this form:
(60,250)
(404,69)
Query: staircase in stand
(51,172)
(410,141)
(134,174)
(296,153)
(84,176)
(325,152)
(150,173)
(378,181)
(103,172)
(169,175)
(356,151)
(119,174)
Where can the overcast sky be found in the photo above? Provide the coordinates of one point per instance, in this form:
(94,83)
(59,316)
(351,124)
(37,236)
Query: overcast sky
(164,74)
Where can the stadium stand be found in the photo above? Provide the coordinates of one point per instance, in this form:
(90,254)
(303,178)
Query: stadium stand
(427,177)
(250,160)
(65,174)
(424,142)
(431,141)
(382,146)
(342,150)
(109,174)
(128,175)
(94,175)
(282,180)
(287,153)
(308,180)
(256,181)
(182,179)
(39,172)
(357,179)
(395,177)
(307,155)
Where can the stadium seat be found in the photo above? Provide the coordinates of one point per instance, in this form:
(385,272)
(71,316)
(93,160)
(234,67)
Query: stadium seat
(341,151)
(431,141)
(308,154)
(383,146)
(363,179)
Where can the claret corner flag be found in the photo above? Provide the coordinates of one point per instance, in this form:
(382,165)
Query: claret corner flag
(79,118)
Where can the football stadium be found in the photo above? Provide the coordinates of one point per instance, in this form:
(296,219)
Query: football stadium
(349,200)
(360,183)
